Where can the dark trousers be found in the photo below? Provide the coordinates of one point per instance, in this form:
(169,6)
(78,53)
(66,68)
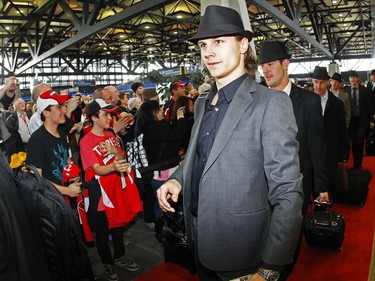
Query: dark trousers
(102,239)
(148,198)
(156,184)
(357,134)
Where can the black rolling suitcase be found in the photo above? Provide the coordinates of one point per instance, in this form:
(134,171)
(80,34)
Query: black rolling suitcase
(356,190)
(325,229)
(370,143)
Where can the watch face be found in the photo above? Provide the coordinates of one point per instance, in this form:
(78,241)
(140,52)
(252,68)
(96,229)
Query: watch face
(274,276)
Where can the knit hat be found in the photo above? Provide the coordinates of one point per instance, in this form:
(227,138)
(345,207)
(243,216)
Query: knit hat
(50,98)
(135,86)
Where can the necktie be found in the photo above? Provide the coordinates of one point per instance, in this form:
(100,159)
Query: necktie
(24,119)
(355,108)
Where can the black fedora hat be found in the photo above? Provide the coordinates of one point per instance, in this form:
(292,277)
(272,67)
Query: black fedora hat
(372,72)
(220,21)
(337,76)
(272,51)
(320,73)
(353,73)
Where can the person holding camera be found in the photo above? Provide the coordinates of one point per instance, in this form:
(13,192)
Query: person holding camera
(9,91)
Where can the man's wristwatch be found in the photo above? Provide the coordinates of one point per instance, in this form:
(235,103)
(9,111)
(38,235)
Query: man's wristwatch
(269,275)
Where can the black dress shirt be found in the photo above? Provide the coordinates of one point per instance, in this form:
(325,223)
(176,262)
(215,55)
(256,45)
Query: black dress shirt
(212,118)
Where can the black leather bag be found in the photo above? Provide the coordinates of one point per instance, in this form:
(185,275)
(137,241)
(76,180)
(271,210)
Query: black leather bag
(173,226)
(174,238)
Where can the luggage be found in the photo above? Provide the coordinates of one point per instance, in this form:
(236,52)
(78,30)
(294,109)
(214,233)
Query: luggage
(55,225)
(170,230)
(325,229)
(357,188)
(370,143)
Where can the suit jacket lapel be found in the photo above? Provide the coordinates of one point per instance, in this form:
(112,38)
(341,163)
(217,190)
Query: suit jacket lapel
(241,100)
(296,99)
(190,156)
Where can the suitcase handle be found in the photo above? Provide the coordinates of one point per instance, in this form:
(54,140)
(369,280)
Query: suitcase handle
(326,203)
(322,203)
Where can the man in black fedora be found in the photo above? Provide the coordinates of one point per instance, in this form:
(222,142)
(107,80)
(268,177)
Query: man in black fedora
(337,90)
(362,111)
(336,133)
(274,60)
(241,181)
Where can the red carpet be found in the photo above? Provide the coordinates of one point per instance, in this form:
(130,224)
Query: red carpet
(352,263)
(168,272)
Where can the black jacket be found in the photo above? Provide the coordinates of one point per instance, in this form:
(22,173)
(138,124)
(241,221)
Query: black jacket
(312,147)
(162,141)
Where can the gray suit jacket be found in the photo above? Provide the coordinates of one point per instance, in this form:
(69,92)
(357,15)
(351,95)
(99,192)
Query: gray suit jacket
(344,97)
(250,194)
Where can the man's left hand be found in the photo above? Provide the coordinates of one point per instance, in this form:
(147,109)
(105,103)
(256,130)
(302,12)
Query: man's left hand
(323,197)
(257,277)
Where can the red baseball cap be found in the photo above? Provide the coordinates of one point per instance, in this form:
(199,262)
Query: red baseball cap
(50,97)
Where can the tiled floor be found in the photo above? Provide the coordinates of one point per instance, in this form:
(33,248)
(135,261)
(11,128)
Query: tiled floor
(143,249)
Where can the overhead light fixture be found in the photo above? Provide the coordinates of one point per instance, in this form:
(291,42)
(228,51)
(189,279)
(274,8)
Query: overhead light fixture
(179,17)
(147,27)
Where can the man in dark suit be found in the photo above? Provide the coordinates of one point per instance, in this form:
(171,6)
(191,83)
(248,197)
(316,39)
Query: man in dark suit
(335,130)
(371,88)
(274,60)
(241,180)
(360,99)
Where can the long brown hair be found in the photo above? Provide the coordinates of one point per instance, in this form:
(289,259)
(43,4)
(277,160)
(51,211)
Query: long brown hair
(250,61)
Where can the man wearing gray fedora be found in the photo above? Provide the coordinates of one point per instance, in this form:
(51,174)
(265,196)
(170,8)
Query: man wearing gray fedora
(241,181)
(335,83)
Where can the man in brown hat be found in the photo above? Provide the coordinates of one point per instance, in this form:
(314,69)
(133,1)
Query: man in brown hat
(362,111)
(274,60)
(336,89)
(335,131)
(240,181)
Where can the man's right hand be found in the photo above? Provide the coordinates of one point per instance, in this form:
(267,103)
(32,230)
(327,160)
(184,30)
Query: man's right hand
(169,190)
(10,83)
(74,189)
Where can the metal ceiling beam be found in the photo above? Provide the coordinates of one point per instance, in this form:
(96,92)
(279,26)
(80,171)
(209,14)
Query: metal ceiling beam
(372,5)
(88,30)
(292,25)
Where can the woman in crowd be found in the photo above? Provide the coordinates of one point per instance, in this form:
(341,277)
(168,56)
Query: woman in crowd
(188,106)
(162,142)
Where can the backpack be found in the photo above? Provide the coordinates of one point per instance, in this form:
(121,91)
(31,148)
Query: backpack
(20,256)
(55,224)
(136,153)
